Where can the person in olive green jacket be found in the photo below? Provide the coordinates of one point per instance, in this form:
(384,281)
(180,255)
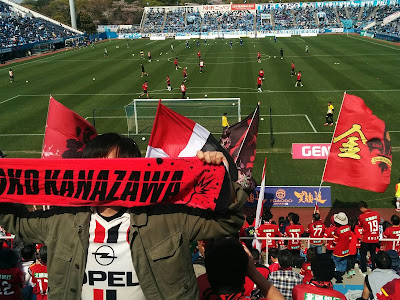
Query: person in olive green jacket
(135,253)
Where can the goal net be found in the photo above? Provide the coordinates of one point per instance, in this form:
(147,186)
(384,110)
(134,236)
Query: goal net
(140,113)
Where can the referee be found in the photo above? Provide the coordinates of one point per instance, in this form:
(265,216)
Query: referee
(329,115)
(225,123)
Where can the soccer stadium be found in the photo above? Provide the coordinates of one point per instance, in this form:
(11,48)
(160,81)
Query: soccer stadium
(303,72)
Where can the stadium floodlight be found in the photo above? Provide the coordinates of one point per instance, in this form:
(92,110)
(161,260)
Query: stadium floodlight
(140,113)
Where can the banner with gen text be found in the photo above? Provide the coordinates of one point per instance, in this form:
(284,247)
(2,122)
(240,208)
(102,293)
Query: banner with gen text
(124,182)
(292,196)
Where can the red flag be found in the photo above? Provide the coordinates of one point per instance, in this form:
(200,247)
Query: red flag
(240,140)
(174,135)
(361,153)
(67,133)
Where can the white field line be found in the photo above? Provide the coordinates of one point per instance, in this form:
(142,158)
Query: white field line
(379,44)
(44,59)
(215,133)
(311,124)
(229,88)
(152,117)
(9,99)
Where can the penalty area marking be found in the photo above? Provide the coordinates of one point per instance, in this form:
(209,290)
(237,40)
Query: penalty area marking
(9,99)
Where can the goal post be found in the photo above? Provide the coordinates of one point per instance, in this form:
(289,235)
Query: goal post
(140,113)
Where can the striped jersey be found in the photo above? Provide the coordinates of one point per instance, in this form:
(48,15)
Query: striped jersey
(110,274)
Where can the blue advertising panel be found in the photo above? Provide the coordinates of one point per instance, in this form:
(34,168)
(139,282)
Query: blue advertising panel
(292,196)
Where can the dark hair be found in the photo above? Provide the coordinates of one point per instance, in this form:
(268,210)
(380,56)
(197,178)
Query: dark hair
(290,215)
(274,252)
(316,216)
(250,220)
(362,204)
(386,224)
(285,259)
(102,145)
(323,267)
(281,220)
(43,254)
(226,265)
(28,252)
(352,223)
(8,258)
(225,114)
(256,254)
(267,215)
(311,252)
(383,260)
(395,220)
(295,218)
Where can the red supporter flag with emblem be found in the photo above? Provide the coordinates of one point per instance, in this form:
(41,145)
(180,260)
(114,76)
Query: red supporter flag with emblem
(67,133)
(361,153)
(240,140)
(174,135)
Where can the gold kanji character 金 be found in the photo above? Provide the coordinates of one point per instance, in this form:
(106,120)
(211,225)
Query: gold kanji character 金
(350,148)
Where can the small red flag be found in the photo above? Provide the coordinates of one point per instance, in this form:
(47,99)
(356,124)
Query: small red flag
(361,153)
(67,133)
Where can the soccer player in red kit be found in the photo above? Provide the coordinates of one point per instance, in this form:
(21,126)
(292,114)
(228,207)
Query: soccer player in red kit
(316,230)
(259,57)
(145,92)
(39,275)
(176,64)
(199,55)
(298,79)
(261,74)
(183,90)
(259,83)
(184,74)
(267,229)
(393,232)
(293,72)
(168,83)
(294,230)
(11,277)
(369,221)
(149,56)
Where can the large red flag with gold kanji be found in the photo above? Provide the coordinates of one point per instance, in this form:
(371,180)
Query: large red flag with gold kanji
(67,133)
(361,153)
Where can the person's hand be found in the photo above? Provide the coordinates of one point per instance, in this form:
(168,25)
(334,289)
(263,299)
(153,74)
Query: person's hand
(212,157)
(251,266)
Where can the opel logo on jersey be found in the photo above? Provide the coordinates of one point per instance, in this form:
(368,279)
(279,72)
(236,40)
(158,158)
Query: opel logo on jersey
(104,255)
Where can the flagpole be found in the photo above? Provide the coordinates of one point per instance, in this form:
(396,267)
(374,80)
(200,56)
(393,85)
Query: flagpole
(45,128)
(326,161)
(247,132)
(260,206)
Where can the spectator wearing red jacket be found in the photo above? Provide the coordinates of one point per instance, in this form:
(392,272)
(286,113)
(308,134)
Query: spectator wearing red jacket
(369,221)
(392,232)
(266,230)
(227,263)
(342,236)
(316,230)
(354,241)
(294,230)
(306,267)
(329,234)
(273,260)
(11,276)
(323,269)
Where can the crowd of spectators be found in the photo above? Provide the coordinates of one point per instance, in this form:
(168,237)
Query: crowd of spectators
(264,24)
(283,18)
(175,21)
(305,18)
(153,20)
(18,28)
(189,20)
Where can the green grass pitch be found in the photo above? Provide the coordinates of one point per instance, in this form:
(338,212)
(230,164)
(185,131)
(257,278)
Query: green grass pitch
(335,63)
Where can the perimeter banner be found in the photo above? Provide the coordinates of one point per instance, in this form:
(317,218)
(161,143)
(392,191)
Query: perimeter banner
(124,182)
(292,196)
